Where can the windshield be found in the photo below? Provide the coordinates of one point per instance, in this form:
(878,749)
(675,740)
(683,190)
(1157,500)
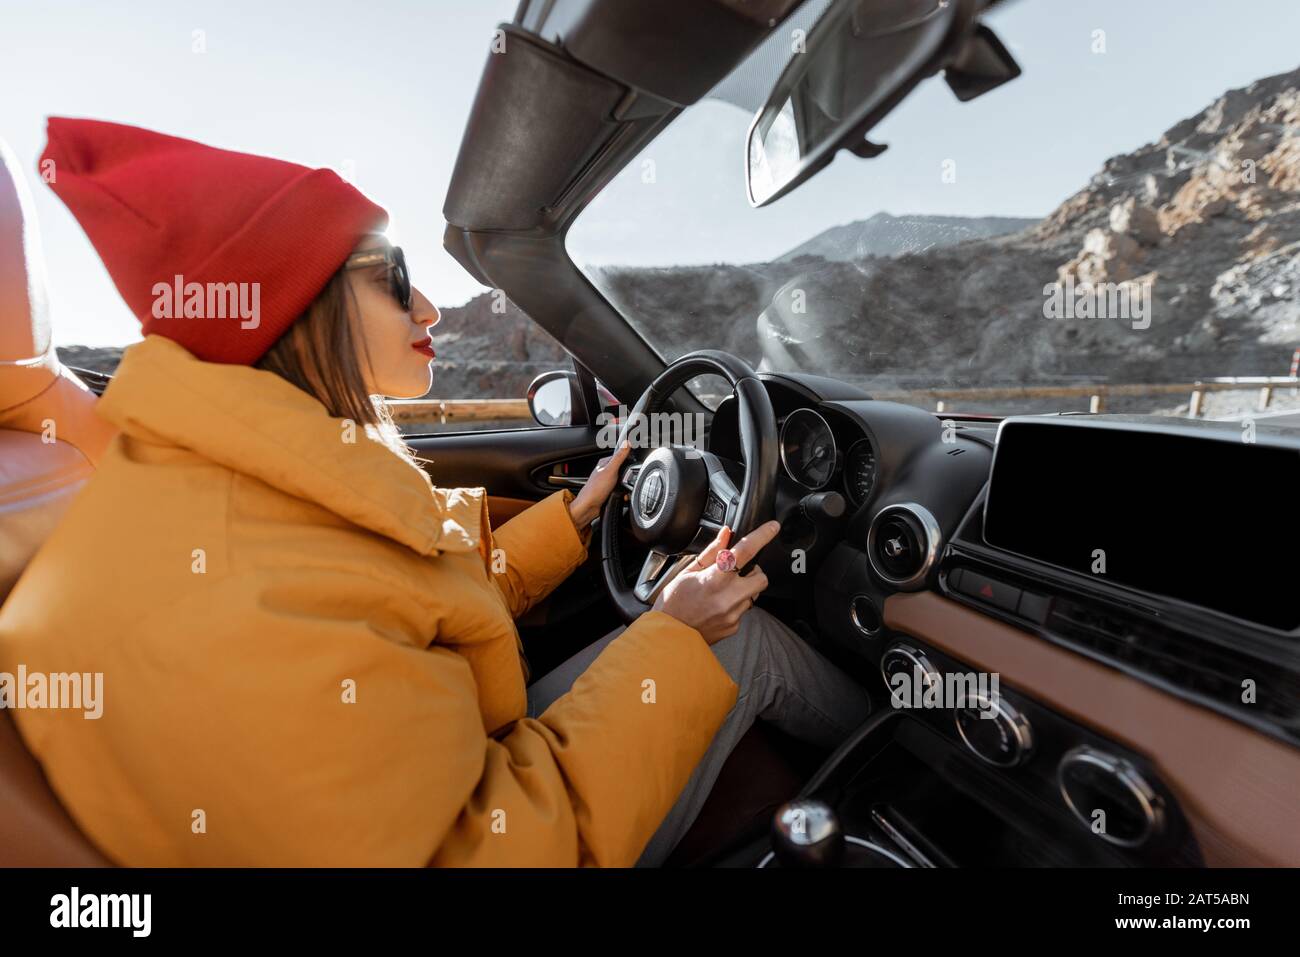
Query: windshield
(1117,229)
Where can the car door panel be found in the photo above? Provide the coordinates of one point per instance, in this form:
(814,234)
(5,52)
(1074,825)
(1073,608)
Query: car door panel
(509,463)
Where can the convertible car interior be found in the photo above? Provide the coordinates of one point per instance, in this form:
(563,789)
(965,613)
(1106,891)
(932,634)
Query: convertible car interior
(1126,579)
(1143,630)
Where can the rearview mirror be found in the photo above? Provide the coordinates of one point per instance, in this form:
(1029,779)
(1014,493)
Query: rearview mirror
(859,61)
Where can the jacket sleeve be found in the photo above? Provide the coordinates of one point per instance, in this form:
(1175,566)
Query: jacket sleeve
(591,779)
(536,550)
(342,741)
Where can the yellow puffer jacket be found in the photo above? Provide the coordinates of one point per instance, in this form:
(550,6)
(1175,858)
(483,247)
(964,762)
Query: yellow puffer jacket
(309,655)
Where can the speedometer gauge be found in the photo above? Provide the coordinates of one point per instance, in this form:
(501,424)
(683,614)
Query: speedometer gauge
(807,448)
(860,472)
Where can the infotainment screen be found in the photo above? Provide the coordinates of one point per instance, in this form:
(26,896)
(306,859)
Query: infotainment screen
(1214,521)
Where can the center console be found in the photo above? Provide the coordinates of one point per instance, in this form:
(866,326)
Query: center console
(1022,787)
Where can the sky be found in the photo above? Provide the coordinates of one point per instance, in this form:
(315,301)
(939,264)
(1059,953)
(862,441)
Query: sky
(382,90)
(379,88)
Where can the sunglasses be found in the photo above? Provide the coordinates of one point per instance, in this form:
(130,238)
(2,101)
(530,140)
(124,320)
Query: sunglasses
(399,277)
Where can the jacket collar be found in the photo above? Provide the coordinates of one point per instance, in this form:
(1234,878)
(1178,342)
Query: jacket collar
(257,424)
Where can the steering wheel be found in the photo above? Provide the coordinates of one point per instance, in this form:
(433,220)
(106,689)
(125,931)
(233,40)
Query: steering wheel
(678,496)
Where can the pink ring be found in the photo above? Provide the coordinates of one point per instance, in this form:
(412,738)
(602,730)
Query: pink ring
(726,560)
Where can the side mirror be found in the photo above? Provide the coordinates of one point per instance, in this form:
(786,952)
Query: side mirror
(553,396)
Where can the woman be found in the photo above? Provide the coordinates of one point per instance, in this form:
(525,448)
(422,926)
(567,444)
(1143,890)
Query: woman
(308,652)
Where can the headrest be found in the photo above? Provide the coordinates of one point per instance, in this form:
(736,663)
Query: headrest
(37,394)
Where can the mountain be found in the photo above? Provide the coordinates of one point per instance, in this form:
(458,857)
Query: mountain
(886,235)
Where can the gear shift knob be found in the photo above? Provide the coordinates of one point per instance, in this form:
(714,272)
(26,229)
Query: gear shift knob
(807,833)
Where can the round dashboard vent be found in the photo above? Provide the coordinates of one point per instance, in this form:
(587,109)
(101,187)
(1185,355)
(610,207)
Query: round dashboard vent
(903,544)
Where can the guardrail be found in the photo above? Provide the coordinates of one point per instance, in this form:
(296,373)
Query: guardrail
(1097,394)
(407,411)
(411,411)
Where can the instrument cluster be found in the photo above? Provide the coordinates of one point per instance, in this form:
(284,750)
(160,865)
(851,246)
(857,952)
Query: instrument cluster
(810,456)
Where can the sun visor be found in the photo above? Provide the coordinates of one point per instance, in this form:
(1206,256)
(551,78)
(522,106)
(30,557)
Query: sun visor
(674,50)
(538,120)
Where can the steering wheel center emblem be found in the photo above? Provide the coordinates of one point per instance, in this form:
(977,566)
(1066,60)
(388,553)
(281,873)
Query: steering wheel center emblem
(652,495)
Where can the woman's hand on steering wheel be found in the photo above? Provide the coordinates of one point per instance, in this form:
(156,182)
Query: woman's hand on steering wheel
(586,505)
(681,495)
(710,600)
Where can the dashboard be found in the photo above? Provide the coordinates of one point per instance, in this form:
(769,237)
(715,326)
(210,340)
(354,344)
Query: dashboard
(1191,628)
(845,457)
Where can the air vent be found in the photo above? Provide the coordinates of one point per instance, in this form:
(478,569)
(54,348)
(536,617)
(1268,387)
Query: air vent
(1256,688)
(1199,668)
(903,544)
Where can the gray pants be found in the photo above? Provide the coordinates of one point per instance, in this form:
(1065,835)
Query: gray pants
(781,680)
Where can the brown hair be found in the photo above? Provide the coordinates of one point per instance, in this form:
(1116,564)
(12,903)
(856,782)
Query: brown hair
(323,354)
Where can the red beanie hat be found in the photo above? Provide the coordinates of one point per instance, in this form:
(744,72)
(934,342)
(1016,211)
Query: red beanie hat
(220,251)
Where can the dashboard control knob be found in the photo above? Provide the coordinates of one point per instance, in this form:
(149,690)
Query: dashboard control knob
(818,506)
(993,730)
(916,670)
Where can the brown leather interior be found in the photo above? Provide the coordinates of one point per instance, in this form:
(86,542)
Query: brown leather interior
(50,441)
(37,394)
(50,436)
(37,483)
(1240,789)
(35,830)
